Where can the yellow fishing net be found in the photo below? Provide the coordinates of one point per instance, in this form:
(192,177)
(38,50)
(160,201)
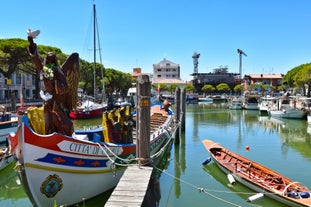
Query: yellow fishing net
(36,119)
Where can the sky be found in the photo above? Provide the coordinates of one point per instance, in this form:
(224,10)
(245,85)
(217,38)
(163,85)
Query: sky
(274,34)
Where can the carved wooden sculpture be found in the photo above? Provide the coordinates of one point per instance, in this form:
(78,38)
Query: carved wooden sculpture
(61,84)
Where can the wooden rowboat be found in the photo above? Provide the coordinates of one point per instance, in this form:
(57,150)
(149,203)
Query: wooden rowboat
(258,177)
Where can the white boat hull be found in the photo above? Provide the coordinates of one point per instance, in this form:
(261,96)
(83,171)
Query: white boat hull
(291,114)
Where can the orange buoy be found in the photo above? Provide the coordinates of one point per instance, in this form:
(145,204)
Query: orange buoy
(247,148)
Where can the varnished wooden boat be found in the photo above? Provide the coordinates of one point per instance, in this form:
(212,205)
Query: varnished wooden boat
(258,177)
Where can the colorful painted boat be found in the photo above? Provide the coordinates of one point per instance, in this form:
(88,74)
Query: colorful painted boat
(258,177)
(87,110)
(67,170)
(8,120)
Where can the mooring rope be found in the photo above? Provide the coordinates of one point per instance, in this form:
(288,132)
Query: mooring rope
(127,161)
(201,190)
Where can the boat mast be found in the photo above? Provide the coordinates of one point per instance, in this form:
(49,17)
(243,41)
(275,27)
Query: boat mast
(94,10)
(102,73)
(103,98)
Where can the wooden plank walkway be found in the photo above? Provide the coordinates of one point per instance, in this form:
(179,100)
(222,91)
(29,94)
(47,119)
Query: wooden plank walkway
(132,187)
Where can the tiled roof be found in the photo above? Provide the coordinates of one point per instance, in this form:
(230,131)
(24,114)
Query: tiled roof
(264,76)
(165,62)
(168,81)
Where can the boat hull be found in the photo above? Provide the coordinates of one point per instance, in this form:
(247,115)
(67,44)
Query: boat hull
(290,114)
(87,114)
(257,177)
(68,170)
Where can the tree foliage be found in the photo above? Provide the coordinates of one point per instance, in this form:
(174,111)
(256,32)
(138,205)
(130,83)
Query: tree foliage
(299,78)
(238,88)
(223,87)
(208,88)
(189,87)
(14,57)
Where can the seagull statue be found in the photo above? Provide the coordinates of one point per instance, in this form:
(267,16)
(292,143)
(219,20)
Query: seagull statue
(33,34)
(46,96)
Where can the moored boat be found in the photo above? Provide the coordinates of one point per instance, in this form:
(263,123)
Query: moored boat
(265,103)
(236,104)
(251,102)
(6,158)
(87,109)
(287,107)
(206,99)
(192,99)
(67,170)
(258,177)
(7,119)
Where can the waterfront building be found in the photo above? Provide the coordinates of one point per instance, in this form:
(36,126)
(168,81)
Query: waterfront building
(267,79)
(19,83)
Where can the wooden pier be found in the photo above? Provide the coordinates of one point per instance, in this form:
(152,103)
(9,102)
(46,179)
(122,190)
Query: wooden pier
(132,187)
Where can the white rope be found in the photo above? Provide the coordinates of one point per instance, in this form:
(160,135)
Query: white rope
(116,156)
(160,151)
(200,189)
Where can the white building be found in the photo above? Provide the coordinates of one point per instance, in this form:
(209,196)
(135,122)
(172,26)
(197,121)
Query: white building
(167,72)
(24,83)
(166,69)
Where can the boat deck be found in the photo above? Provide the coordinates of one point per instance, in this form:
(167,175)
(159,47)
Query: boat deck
(156,120)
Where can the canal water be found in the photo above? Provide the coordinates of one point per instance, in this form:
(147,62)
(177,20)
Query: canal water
(180,179)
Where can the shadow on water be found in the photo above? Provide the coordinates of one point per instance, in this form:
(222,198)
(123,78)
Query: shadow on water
(153,193)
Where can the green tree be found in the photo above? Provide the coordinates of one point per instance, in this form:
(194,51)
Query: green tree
(299,78)
(238,88)
(189,87)
(172,87)
(15,58)
(163,87)
(117,81)
(208,88)
(223,87)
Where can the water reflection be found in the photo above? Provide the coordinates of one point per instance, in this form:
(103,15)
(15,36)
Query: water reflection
(11,190)
(283,145)
(153,193)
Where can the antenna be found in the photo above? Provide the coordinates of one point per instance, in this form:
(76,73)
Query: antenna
(195,57)
(240,56)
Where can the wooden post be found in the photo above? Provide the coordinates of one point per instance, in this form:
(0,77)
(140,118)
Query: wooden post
(177,114)
(183,110)
(143,120)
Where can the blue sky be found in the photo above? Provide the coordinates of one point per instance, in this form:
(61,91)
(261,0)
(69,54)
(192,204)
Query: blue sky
(275,34)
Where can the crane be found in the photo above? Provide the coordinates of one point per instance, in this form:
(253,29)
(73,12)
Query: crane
(240,54)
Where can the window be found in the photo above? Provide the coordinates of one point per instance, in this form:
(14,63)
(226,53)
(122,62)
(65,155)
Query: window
(18,78)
